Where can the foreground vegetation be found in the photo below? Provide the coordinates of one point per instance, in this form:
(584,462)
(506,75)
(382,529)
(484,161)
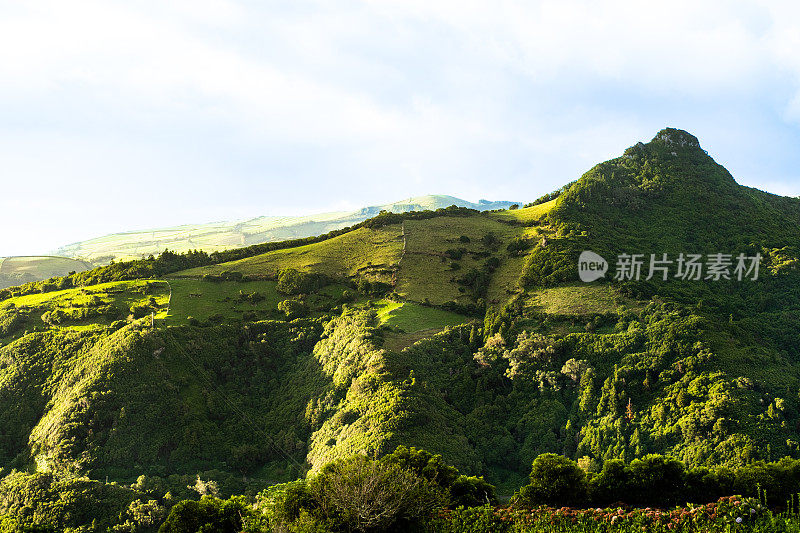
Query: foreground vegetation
(413,490)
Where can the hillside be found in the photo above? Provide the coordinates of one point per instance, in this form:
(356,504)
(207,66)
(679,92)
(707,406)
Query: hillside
(233,234)
(463,332)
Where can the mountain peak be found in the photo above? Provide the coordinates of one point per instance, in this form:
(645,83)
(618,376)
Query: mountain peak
(674,137)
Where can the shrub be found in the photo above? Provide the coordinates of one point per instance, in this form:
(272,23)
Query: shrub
(424,464)
(209,514)
(140,310)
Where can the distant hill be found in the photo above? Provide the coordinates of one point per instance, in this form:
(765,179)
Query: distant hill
(216,236)
(23,269)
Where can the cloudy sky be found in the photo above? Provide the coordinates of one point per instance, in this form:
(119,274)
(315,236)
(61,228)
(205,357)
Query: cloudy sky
(128,115)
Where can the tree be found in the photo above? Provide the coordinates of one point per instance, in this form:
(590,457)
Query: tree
(611,484)
(555,480)
(424,464)
(533,352)
(290,281)
(655,479)
(204,488)
(471,491)
(364,494)
(491,351)
(464,490)
(574,369)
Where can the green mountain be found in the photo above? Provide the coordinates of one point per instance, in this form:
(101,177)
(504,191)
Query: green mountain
(464,332)
(217,236)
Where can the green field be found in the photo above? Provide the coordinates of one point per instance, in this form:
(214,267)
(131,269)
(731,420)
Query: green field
(411,322)
(410,317)
(91,307)
(526,215)
(204,299)
(426,272)
(579,300)
(372,253)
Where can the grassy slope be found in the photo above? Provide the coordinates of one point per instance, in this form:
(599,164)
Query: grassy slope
(580,300)
(426,274)
(203,299)
(412,317)
(120,295)
(363,251)
(411,322)
(525,215)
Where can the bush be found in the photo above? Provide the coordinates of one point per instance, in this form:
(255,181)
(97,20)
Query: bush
(424,464)
(611,484)
(140,310)
(471,491)
(291,281)
(518,245)
(209,514)
(455,253)
(470,520)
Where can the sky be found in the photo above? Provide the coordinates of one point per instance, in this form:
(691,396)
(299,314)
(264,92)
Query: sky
(119,116)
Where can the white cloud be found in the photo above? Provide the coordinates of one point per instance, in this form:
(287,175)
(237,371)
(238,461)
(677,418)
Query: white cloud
(376,99)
